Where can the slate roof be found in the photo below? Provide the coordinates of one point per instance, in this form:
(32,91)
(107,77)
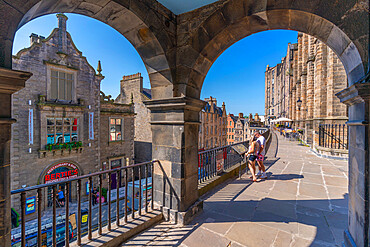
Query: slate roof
(217,110)
(147,92)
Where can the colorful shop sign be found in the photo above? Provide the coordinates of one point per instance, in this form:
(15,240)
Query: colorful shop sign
(61,171)
(31,205)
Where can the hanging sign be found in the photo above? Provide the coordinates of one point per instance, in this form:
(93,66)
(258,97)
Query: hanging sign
(30,126)
(91,125)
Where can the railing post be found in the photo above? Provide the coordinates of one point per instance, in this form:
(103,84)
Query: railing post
(126,194)
(117,201)
(100,209)
(54,215)
(152,173)
(67,215)
(39,209)
(140,191)
(89,234)
(133,193)
(79,212)
(146,188)
(109,202)
(23,218)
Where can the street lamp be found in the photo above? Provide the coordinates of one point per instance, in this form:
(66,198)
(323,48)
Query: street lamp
(299,104)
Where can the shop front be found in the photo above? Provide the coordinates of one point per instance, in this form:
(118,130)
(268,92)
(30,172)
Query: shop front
(58,172)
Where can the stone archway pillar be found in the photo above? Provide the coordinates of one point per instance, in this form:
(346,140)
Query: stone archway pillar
(175,127)
(11,81)
(357,97)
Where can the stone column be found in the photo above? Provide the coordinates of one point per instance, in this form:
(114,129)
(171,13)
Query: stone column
(299,80)
(11,81)
(357,97)
(304,83)
(320,90)
(175,126)
(310,90)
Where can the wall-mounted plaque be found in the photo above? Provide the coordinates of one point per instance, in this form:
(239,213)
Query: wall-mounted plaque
(240,149)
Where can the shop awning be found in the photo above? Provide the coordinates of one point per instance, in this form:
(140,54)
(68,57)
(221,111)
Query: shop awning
(283,119)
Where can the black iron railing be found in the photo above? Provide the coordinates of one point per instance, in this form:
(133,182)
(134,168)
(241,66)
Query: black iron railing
(134,180)
(214,161)
(334,136)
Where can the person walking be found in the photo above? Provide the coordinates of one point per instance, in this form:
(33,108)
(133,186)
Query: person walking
(252,153)
(61,198)
(94,196)
(261,155)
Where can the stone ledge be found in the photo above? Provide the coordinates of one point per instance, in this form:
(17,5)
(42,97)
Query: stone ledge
(59,152)
(208,185)
(120,234)
(338,154)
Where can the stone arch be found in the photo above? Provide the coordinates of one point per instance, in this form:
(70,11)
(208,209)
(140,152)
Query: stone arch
(236,20)
(141,24)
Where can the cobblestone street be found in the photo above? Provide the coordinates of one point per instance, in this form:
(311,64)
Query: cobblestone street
(302,203)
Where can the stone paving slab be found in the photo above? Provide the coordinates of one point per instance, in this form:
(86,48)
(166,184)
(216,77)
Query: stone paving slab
(302,203)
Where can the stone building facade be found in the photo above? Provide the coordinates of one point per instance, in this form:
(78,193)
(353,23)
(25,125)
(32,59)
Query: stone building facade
(63,129)
(213,127)
(239,135)
(231,120)
(240,128)
(302,88)
(162,38)
(132,91)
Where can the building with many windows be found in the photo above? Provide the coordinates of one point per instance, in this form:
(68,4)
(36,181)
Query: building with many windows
(303,87)
(65,127)
(212,130)
(241,128)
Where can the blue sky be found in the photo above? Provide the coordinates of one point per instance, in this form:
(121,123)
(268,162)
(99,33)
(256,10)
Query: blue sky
(236,77)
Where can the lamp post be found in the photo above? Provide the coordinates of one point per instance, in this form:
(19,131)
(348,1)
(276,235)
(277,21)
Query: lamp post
(299,104)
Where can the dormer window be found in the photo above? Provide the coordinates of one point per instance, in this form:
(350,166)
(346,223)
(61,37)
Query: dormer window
(61,85)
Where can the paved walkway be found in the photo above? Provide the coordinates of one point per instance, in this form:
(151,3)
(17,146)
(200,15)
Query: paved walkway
(303,203)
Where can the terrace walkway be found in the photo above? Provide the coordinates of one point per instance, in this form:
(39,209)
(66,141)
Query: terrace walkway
(303,203)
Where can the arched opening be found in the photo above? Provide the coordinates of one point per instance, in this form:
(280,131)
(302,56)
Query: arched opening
(136,22)
(342,25)
(302,183)
(217,41)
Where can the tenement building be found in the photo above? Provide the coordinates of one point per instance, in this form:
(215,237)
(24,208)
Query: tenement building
(65,127)
(241,128)
(132,91)
(302,88)
(212,130)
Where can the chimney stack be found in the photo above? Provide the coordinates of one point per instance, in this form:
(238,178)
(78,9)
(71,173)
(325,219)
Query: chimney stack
(240,115)
(34,38)
(62,32)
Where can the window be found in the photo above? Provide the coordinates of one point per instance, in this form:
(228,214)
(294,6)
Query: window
(115,163)
(61,85)
(115,129)
(62,130)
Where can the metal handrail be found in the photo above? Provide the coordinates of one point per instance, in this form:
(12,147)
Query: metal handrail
(141,167)
(39,186)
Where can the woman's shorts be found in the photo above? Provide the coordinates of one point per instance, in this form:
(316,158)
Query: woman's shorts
(261,157)
(252,157)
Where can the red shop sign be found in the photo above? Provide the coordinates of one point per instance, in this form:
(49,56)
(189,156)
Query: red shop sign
(61,171)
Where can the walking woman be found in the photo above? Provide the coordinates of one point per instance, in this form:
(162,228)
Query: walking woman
(253,152)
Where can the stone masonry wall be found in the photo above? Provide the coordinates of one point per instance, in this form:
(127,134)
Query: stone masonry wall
(132,90)
(315,76)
